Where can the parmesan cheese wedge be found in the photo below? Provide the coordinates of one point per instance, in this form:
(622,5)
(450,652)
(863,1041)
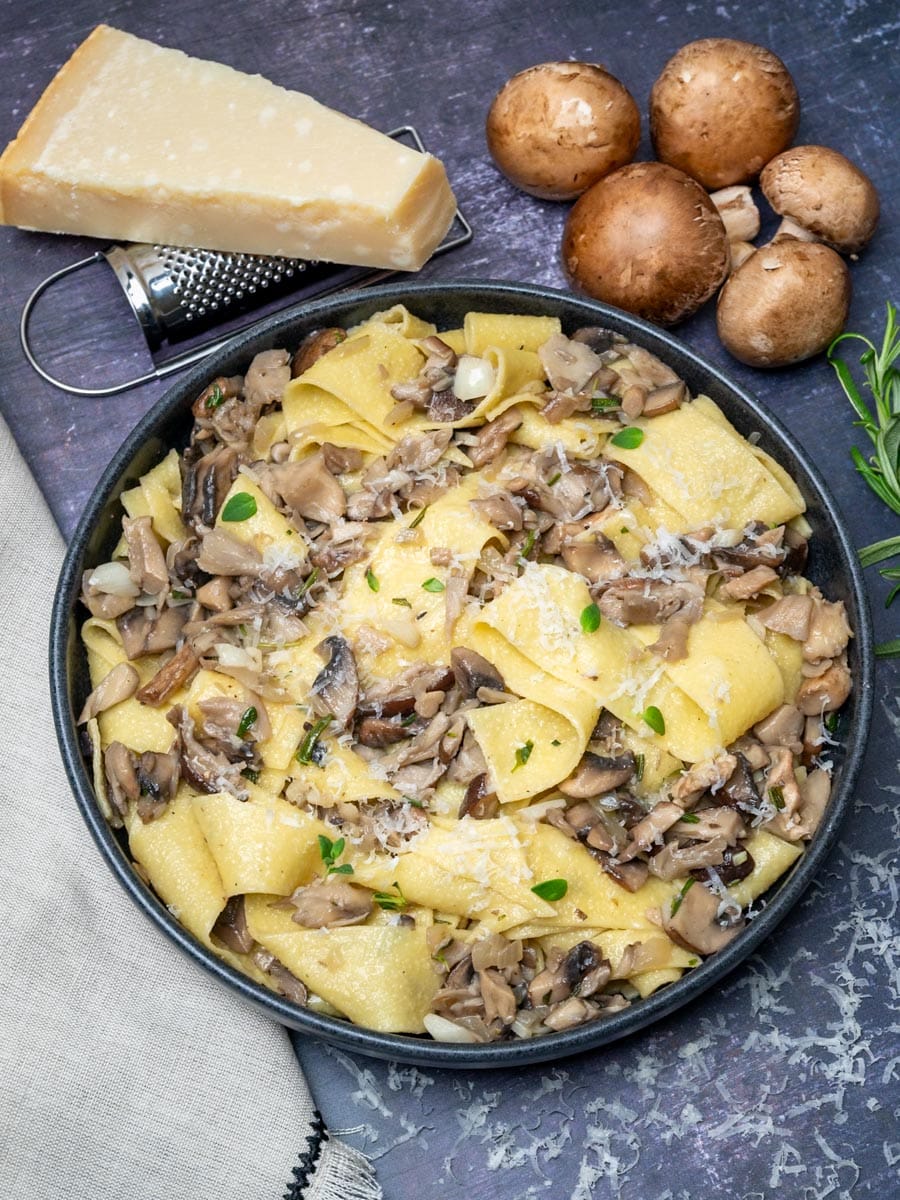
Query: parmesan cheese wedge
(135,142)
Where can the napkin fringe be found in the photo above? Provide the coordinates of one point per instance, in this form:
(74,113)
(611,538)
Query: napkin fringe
(331,1170)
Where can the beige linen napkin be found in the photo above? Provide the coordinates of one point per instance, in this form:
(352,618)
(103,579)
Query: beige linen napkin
(125,1072)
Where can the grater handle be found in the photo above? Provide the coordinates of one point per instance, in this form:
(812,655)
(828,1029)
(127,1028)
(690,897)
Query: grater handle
(163,370)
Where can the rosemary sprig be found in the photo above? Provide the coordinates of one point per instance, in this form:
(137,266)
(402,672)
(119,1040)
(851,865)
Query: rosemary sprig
(881,422)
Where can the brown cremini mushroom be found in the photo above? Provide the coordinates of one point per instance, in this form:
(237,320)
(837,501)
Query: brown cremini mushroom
(556,128)
(648,239)
(825,194)
(787,302)
(721,109)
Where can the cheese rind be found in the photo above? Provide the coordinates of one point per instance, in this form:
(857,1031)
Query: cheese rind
(138,142)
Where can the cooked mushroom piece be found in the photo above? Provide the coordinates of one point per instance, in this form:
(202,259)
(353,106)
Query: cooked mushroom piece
(335,689)
(829,630)
(118,684)
(206,479)
(330,903)
(491,438)
(693,924)
(309,488)
(739,789)
(597,560)
(782,727)
(790,615)
(157,776)
(147,563)
(596,775)
(287,983)
(177,671)
(473,672)
(120,768)
(313,346)
(108,590)
(826,692)
(479,802)
(231,927)
(665,399)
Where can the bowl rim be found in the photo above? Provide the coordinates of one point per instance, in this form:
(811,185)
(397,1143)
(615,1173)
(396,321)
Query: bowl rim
(416,1049)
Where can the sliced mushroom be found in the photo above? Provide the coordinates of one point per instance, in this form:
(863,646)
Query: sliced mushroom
(335,689)
(782,727)
(750,584)
(635,601)
(144,631)
(701,777)
(287,983)
(497,996)
(597,560)
(309,488)
(650,830)
(147,562)
(499,510)
(568,365)
(472,672)
(379,732)
(120,768)
(790,615)
(480,802)
(231,927)
(313,346)
(221,554)
(206,480)
(330,903)
(675,860)
(693,925)
(826,692)
(491,439)
(740,789)
(206,769)
(596,775)
(829,631)
(157,777)
(117,685)
(665,399)
(177,671)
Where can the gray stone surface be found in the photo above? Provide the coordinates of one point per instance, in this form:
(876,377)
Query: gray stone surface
(785,1081)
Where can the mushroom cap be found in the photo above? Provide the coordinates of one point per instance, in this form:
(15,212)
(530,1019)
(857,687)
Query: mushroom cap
(721,109)
(556,128)
(784,304)
(648,239)
(825,193)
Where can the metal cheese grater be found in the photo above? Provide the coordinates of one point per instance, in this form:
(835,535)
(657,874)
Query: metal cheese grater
(177,293)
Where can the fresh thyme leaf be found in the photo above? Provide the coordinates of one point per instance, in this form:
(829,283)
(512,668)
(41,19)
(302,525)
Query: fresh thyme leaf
(551,889)
(251,773)
(389,901)
(628,438)
(640,762)
(528,544)
(418,518)
(654,718)
(776,795)
(556,742)
(372,579)
(605,403)
(401,601)
(309,743)
(240,507)
(677,900)
(832,720)
(554,479)
(691,819)
(330,852)
(248,718)
(523,753)
(343,869)
(590,618)
(215,398)
(433,585)
(308,582)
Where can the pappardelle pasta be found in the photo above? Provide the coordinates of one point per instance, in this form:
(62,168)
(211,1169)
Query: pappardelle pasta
(464,682)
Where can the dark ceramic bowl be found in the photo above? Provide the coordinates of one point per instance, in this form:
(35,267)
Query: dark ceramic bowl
(833,566)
